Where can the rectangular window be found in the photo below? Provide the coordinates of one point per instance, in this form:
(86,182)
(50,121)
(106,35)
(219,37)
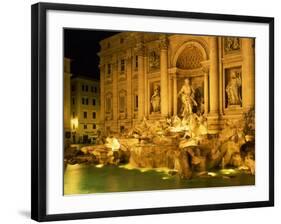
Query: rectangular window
(87,101)
(94,115)
(83,100)
(96,89)
(73,101)
(94,102)
(73,114)
(122,65)
(94,126)
(85,126)
(86,88)
(85,114)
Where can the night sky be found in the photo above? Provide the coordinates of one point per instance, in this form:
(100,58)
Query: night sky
(82,47)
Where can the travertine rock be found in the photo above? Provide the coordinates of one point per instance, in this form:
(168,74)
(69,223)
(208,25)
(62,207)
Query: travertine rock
(157,156)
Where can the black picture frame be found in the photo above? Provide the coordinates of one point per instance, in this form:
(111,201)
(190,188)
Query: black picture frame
(39,122)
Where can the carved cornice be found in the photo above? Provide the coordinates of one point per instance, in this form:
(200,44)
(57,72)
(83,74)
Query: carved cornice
(190,72)
(232,59)
(172,70)
(206,70)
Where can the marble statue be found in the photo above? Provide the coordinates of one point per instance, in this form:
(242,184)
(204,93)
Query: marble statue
(155,99)
(232,89)
(186,95)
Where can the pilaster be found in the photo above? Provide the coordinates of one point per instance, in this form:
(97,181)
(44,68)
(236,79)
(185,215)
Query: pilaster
(164,75)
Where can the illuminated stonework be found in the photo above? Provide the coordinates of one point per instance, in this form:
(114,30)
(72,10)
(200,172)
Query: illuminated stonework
(190,58)
(134,69)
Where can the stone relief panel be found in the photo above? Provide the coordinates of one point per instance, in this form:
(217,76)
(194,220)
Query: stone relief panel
(153,60)
(232,44)
(155,98)
(233,88)
(190,58)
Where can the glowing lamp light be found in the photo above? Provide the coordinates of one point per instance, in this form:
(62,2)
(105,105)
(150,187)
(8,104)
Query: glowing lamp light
(74,123)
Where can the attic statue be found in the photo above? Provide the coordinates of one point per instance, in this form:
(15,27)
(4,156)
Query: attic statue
(186,95)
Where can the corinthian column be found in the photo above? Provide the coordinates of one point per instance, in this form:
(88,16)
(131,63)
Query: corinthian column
(248,73)
(164,75)
(140,54)
(214,76)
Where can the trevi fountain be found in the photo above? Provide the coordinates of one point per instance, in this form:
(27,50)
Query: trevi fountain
(171,153)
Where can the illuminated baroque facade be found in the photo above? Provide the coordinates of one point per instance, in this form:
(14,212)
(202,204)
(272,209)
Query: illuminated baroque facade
(143,74)
(84,108)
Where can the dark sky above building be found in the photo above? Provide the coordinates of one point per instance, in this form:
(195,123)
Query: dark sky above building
(82,47)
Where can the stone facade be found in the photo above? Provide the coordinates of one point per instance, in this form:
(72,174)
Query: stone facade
(85,101)
(133,65)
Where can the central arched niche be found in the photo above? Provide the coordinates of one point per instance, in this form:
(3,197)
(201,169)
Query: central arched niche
(190,58)
(189,54)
